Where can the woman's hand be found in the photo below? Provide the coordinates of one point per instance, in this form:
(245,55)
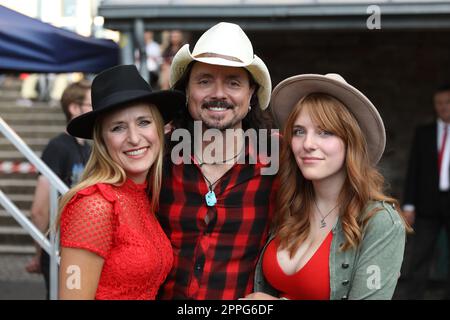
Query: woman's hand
(259,296)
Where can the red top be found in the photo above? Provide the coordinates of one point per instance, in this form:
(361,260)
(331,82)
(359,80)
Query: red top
(312,282)
(215,248)
(117,224)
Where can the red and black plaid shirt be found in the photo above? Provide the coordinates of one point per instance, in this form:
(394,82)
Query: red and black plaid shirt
(215,248)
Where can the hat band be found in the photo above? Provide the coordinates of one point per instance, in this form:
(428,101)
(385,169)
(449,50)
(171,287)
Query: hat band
(216,55)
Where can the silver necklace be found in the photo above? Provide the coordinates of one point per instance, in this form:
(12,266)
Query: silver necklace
(323,224)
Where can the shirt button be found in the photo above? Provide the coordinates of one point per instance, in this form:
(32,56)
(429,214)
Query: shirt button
(344,298)
(345,282)
(345,265)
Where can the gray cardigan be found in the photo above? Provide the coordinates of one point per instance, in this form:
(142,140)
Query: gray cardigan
(369,272)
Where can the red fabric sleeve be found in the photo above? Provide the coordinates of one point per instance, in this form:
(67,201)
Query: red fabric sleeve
(87,222)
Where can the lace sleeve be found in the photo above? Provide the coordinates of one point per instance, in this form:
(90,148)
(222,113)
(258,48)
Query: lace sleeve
(87,222)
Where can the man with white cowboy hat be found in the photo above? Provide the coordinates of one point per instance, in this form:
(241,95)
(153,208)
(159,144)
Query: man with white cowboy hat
(216,211)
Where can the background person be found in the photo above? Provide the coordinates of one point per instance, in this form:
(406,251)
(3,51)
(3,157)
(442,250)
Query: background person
(176,41)
(427,192)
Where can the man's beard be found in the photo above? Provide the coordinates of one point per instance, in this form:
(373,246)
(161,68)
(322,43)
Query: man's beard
(216,123)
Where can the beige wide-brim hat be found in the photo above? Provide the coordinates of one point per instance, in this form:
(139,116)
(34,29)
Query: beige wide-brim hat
(225,44)
(287,93)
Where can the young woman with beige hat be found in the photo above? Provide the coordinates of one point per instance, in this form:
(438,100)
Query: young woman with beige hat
(336,235)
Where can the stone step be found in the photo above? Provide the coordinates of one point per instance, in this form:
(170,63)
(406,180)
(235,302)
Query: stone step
(37,144)
(18,186)
(36,125)
(11,232)
(17,249)
(14,155)
(36,129)
(16,116)
(38,134)
(30,141)
(16,182)
(38,107)
(42,134)
(7,220)
(9,94)
(18,175)
(11,82)
(32,119)
(37,122)
(12,235)
(22,201)
(5,145)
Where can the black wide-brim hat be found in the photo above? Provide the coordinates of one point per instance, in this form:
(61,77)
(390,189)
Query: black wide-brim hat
(120,85)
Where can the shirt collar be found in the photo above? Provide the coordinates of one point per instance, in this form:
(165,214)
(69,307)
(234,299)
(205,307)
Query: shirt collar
(441,124)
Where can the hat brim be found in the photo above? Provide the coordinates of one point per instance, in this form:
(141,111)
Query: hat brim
(167,102)
(288,92)
(256,67)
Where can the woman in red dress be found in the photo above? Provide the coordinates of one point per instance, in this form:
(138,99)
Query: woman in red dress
(112,246)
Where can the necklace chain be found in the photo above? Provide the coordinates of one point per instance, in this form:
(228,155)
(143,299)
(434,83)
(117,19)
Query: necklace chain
(323,224)
(210,185)
(218,162)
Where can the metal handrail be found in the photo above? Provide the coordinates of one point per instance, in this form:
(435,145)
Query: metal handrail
(56,185)
(24,222)
(40,165)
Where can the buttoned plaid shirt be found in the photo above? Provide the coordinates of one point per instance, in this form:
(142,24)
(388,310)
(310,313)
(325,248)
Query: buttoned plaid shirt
(215,247)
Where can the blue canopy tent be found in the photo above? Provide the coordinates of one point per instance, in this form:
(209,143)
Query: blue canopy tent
(29,45)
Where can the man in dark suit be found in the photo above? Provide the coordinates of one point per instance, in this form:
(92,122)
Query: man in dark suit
(427,196)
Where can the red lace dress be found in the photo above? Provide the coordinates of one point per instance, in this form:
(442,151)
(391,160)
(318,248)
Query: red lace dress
(117,224)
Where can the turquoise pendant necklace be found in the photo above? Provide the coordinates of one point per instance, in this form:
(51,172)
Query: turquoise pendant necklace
(210,197)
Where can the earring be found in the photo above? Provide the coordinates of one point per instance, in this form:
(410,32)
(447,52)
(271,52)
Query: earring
(249,108)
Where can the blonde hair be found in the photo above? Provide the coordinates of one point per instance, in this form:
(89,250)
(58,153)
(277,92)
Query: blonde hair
(363,182)
(101,168)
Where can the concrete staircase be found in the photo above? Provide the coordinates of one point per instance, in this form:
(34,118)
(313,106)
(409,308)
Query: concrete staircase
(35,125)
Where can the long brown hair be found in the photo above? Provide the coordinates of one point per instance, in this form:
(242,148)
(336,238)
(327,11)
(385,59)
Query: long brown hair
(100,167)
(363,182)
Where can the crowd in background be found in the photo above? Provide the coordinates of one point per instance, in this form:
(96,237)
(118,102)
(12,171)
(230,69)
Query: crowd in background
(159,47)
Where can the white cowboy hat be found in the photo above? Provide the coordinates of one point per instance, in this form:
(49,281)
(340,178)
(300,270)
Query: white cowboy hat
(289,91)
(225,44)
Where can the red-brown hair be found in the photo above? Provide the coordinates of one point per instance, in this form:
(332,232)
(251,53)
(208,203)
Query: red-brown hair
(363,182)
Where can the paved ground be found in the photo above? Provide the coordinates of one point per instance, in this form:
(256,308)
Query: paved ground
(16,283)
